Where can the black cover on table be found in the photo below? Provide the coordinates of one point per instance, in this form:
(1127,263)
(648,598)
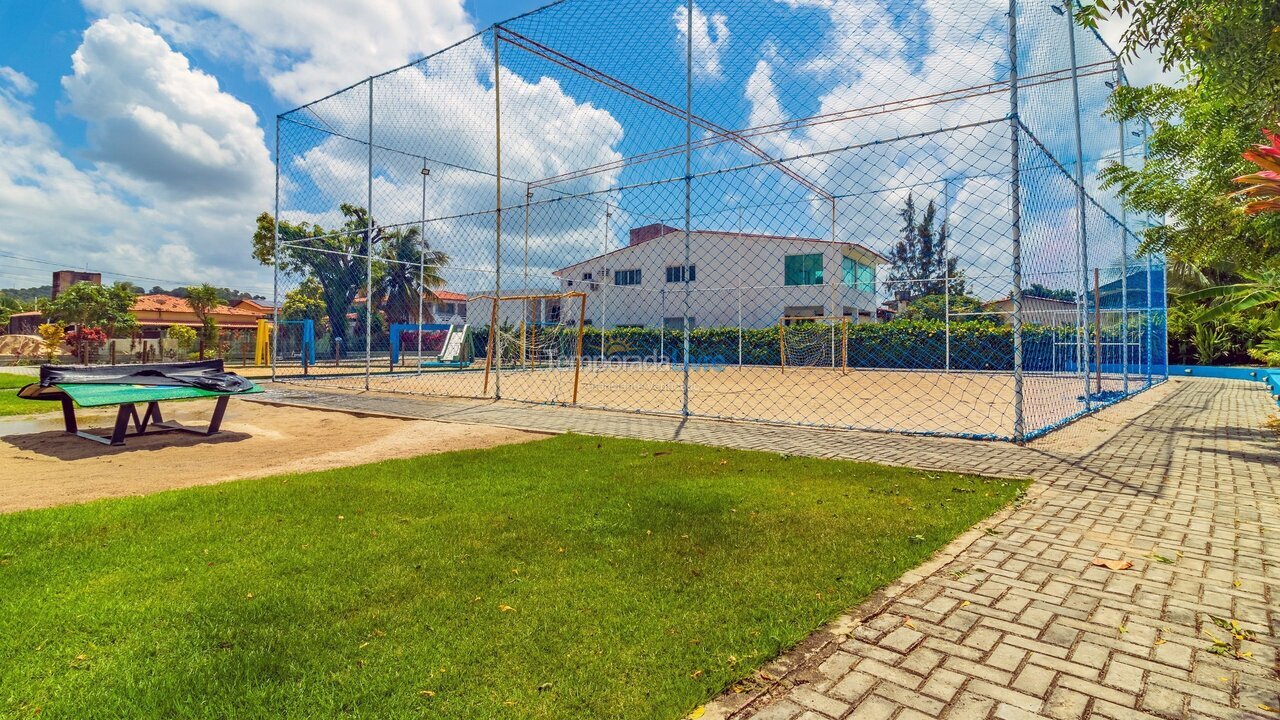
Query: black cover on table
(203,374)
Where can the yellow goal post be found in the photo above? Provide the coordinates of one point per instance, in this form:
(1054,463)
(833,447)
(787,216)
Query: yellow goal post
(528,330)
(814,341)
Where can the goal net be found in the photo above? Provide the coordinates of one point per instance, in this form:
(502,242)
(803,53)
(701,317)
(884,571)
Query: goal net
(535,341)
(814,342)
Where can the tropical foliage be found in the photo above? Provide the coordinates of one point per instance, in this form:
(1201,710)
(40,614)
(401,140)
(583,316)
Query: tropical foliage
(960,308)
(89,305)
(204,299)
(52,335)
(1205,144)
(336,260)
(182,336)
(1263,191)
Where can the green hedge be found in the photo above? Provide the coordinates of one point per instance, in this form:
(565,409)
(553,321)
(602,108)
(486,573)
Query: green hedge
(901,344)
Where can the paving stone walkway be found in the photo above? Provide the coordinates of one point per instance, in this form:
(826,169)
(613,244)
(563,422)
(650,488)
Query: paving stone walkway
(1017,622)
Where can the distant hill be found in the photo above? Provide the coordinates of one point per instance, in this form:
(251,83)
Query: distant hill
(228,295)
(26,295)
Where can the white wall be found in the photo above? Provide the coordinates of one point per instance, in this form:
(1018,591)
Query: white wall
(735,274)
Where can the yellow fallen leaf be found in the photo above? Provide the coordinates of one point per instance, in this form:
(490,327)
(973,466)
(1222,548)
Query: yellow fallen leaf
(506,608)
(695,674)
(1236,583)
(427,693)
(964,604)
(248,596)
(1111,564)
(697,713)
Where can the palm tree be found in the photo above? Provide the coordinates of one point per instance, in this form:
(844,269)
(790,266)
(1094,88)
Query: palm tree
(1259,294)
(411,271)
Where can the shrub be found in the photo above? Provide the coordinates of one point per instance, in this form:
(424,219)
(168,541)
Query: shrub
(52,336)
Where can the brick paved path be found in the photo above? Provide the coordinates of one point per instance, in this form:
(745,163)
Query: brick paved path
(1019,624)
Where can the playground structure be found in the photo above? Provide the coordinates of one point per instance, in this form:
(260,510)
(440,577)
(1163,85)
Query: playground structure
(444,345)
(290,338)
(824,224)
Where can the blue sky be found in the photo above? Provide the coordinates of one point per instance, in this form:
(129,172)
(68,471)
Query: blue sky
(38,39)
(138,134)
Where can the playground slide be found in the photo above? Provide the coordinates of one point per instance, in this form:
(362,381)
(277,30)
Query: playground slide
(452,350)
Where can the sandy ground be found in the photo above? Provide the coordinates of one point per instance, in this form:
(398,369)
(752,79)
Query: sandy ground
(901,401)
(41,466)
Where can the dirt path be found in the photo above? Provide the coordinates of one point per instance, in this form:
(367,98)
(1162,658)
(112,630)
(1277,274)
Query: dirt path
(41,466)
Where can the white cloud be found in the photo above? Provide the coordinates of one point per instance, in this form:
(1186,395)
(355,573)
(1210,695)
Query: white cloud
(129,211)
(305,50)
(710,38)
(20,84)
(158,120)
(445,111)
(1145,68)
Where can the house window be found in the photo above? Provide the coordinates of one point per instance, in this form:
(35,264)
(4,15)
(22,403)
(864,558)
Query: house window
(676,273)
(857,275)
(586,276)
(803,269)
(626,277)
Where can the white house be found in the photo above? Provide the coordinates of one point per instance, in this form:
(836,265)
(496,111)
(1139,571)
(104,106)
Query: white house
(733,279)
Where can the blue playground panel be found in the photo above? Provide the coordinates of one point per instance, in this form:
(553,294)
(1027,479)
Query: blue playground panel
(398,329)
(308,349)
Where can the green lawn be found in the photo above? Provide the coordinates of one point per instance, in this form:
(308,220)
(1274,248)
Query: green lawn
(9,402)
(572,577)
(10,380)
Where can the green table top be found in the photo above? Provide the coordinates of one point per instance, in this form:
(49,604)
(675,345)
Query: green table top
(98,395)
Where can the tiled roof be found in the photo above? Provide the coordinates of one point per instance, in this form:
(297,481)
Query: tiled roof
(169,303)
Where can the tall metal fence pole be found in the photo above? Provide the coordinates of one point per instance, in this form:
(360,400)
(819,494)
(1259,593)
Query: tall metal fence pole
(1015,199)
(422,263)
(497,215)
(946,222)
(1082,232)
(368,251)
(275,264)
(1124,259)
(688,194)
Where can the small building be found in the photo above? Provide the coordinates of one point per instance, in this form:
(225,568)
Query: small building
(155,313)
(25,323)
(1037,310)
(449,306)
(262,308)
(735,279)
(63,279)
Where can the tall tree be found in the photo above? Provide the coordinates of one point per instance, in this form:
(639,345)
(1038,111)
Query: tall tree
(204,299)
(919,264)
(89,305)
(412,271)
(1228,52)
(336,260)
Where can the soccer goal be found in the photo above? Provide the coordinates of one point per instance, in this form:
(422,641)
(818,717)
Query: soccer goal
(814,342)
(534,335)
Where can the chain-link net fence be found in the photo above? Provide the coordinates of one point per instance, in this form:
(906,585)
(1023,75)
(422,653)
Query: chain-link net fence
(814,213)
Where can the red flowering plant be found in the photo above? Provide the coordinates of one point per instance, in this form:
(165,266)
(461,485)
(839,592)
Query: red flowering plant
(1263,191)
(85,342)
